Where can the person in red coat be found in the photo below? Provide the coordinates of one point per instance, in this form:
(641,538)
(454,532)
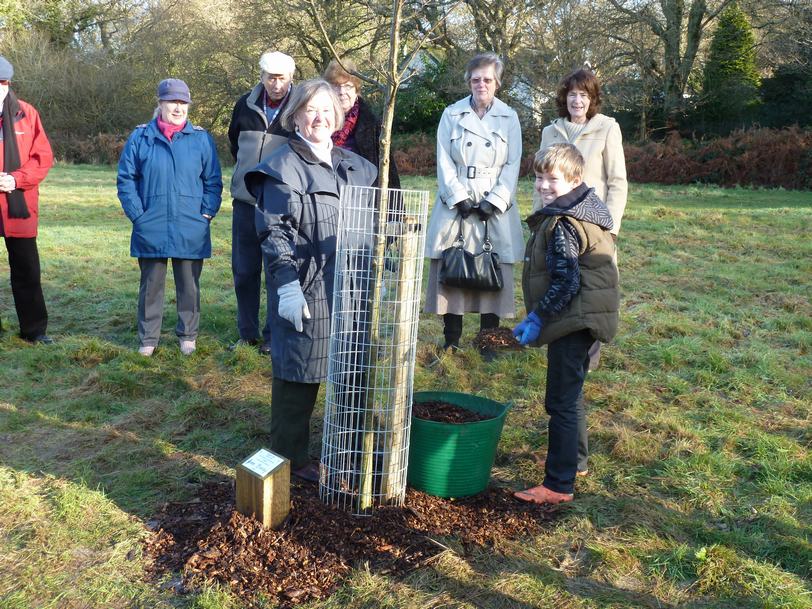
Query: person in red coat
(25,158)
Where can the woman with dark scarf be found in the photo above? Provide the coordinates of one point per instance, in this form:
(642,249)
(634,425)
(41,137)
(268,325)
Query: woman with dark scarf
(25,158)
(362,129)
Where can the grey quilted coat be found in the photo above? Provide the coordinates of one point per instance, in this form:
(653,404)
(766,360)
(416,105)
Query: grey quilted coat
(296,220)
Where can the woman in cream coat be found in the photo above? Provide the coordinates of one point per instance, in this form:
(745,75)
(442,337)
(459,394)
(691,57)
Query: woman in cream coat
(599,141)
(479,149)
(597,138)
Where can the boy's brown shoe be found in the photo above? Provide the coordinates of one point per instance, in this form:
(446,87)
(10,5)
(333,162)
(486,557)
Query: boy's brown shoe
(542,495)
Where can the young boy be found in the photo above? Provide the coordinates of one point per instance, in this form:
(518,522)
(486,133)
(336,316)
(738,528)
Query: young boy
(570,285)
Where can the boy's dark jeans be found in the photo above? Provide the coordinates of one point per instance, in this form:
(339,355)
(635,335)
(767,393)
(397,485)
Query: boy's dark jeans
(567,365)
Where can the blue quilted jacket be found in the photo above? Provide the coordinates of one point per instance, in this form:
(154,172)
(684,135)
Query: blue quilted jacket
(165,188)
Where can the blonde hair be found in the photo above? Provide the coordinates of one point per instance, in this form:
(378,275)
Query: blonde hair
(565,158)
(302,94)
(336,75)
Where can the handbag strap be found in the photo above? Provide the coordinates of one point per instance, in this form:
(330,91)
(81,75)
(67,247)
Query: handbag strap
(487,246)
(460,240)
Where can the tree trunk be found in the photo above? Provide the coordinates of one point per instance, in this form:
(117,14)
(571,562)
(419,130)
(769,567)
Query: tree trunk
(379,252)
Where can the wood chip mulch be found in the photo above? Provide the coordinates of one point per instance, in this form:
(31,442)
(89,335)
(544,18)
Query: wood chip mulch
(314,550)
(497,339)
(443,412)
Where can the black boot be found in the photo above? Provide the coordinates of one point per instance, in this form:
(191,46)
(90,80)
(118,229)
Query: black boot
(452,331)
(488,321)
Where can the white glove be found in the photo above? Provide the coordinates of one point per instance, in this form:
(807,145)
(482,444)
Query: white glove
(292,304)
(7,182)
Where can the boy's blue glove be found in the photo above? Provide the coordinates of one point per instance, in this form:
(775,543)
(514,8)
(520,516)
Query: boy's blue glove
(529,329)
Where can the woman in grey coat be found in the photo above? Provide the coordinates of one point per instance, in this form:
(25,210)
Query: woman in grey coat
(479,150)
(297,192)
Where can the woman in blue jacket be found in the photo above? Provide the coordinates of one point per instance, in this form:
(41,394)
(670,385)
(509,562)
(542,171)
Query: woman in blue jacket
(170,187)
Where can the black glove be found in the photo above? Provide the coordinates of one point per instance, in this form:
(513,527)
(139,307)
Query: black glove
(486,209)
(465,207)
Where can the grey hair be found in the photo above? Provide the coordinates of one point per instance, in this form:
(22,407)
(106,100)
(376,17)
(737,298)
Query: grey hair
(302,94)
(482,60)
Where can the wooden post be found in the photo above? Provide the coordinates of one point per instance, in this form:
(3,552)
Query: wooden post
(263,488)
(404,321)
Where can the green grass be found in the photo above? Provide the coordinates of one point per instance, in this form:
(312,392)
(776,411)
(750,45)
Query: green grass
(700,493)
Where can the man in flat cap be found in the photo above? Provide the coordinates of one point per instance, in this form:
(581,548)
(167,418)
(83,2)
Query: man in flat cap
(25,158)
(255,131)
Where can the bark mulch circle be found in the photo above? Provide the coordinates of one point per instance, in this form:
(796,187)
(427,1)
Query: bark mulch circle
(310,555)
(443,412)
(497,339)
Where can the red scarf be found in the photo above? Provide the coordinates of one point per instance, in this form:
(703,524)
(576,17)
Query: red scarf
(340,137)
(168,129)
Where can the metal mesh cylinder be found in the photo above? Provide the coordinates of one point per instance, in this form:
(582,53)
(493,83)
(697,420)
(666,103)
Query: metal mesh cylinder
(376,304)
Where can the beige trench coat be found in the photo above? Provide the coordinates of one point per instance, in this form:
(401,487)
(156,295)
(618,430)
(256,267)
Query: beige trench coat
(601,145)
(477,158)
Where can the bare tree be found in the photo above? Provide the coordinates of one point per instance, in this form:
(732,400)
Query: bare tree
(389,76)
(680,27)
(296,27)
(784,32)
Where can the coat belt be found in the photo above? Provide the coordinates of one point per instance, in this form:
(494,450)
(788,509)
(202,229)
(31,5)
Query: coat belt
(472,172)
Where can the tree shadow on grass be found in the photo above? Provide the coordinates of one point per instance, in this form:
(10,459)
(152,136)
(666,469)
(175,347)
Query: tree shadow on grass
(144,431)
(503,578)
(761,538)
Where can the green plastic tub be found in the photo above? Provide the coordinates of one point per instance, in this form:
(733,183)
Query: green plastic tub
(454,459)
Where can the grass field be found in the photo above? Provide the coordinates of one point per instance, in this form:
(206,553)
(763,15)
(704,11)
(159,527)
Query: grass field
(700,486)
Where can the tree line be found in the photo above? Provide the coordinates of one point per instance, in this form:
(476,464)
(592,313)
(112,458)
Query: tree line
(700,67)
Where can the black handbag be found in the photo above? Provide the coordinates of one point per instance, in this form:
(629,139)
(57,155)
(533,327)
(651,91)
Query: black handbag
(461,269)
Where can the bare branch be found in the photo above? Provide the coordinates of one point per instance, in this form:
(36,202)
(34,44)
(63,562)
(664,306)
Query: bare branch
(422,42)
(335,53)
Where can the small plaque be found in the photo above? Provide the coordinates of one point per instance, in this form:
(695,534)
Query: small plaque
(263,488)
(262,462)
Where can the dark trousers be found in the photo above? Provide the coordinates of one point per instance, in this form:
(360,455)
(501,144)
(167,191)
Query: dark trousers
(567,366)
(452,326)
(26,286)
(291,407)
(246,267)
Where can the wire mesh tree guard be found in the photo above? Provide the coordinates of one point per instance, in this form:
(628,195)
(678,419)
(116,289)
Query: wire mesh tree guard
(370,372)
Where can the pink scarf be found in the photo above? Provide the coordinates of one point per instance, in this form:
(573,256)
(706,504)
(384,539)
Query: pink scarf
(168,129)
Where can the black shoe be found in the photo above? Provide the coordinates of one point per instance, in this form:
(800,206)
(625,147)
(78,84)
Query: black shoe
(42,339)
(309,472)
(265,349)
(242,342)
(488,354)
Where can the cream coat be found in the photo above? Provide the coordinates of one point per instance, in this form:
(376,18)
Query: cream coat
(493,145)
(601,145)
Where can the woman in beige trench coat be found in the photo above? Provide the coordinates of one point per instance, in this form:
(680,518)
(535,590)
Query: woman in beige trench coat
(479,150)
